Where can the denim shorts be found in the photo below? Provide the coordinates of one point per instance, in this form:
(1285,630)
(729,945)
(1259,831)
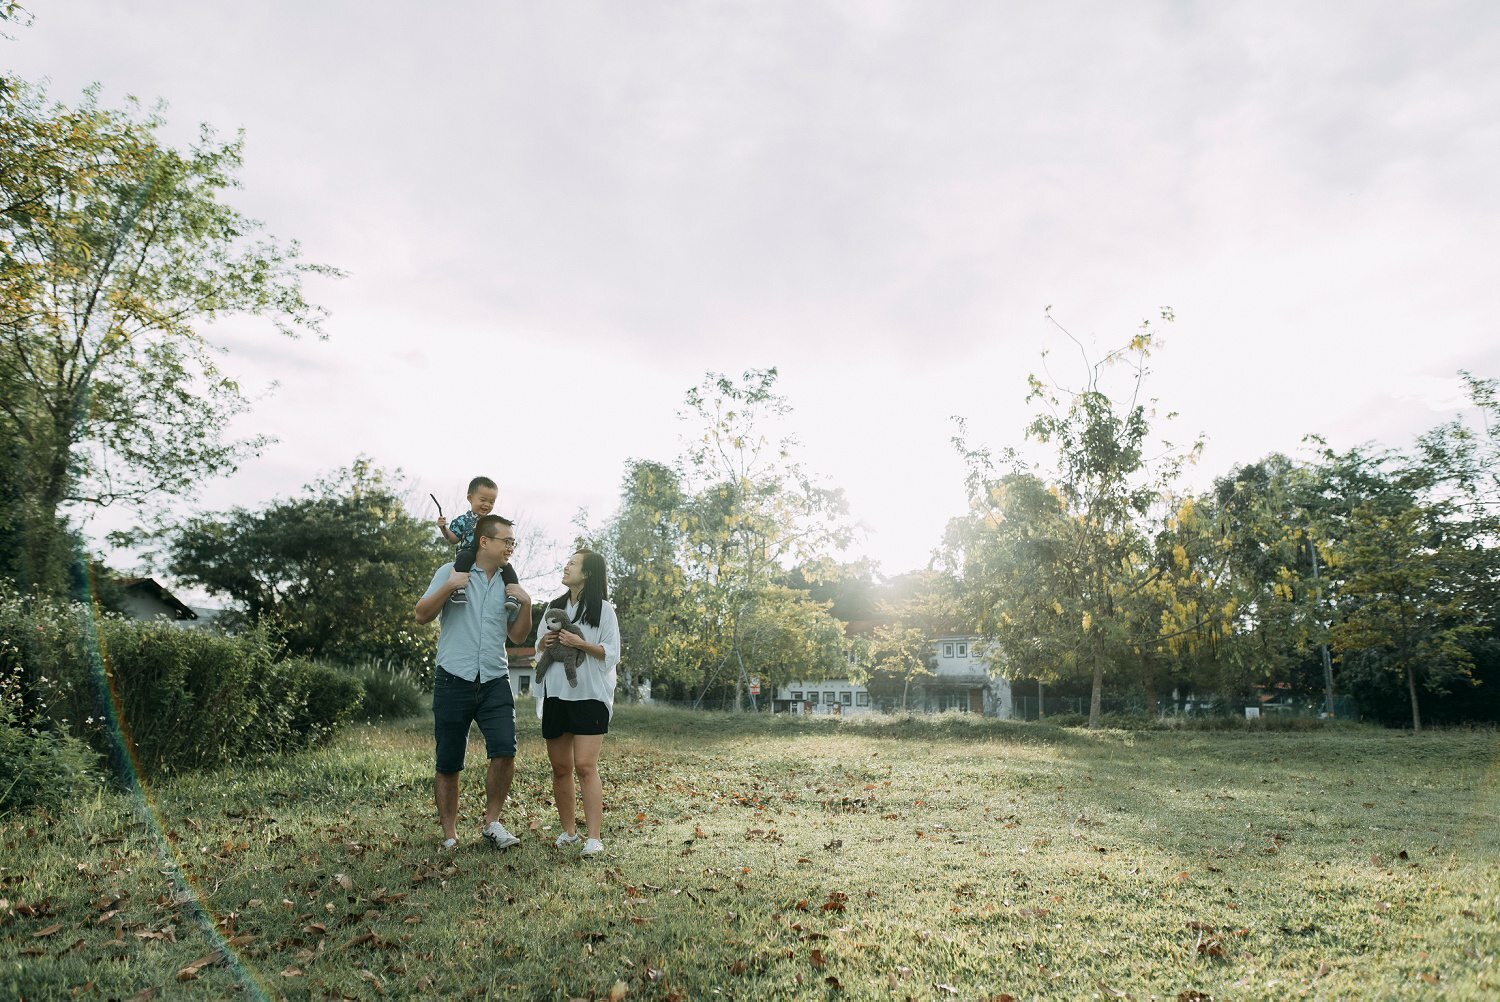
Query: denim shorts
(457,703)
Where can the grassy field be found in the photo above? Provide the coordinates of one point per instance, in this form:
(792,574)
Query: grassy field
(760,858)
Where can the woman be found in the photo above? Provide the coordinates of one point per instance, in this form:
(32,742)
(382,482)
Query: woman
(575,719)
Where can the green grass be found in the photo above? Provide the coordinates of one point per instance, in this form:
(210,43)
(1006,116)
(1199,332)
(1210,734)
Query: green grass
(760,858)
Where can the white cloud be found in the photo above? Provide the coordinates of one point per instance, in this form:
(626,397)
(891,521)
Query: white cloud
(878,198)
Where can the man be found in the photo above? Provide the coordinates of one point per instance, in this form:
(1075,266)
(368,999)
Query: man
(472,680)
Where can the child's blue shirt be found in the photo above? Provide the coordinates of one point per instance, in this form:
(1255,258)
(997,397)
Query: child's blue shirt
(463,527)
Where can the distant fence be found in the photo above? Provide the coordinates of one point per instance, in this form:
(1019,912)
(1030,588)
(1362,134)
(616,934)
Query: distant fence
(1025,708)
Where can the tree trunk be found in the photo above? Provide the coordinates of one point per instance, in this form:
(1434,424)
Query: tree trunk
(742,683)
(1411,687)
(1041,701)
(1095,697)
(1148,679)
(44,558)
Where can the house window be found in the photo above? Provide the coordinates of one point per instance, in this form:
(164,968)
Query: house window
(812,697)
(954,701)
(796,695)
(847,698)
(963,650)
(524,685)
(947,650)
(861,699)
(829,697)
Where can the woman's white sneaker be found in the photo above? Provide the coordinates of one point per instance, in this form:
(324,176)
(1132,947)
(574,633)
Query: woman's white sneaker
(564,840)
(591,847)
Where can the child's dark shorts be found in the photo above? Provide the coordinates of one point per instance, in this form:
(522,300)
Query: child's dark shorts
(456,703)
(573,716)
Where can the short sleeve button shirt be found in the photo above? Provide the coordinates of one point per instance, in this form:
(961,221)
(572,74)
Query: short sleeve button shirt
(471,641)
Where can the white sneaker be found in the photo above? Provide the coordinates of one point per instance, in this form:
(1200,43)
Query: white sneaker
(564,840)
(591,847)
(499,837)
(450,844)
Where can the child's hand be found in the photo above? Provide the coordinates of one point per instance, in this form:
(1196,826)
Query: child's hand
(442,522)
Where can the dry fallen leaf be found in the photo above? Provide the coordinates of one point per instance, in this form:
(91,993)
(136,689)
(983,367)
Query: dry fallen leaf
(618,990)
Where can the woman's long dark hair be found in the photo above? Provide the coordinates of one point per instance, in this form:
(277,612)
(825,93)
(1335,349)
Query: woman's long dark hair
(595,590)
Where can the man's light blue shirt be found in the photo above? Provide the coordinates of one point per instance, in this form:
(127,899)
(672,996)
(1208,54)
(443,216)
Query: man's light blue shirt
(471,641)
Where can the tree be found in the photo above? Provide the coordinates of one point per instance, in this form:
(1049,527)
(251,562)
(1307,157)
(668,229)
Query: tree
(333,572)
(1402,606)
(706,546)
(909,611)
(116,253)
(894,657)
(650,589)
(1088,540)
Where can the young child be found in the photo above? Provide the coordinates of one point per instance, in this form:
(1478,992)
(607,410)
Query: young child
(482,495)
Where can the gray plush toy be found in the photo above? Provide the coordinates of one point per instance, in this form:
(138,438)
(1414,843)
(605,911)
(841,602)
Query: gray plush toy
(569,657)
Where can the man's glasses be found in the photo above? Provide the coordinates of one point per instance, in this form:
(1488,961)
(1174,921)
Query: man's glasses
(502,540)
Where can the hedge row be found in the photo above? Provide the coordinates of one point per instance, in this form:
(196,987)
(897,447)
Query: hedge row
(179,699)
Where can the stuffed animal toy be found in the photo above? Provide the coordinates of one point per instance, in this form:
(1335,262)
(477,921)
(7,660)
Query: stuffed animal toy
(569,657)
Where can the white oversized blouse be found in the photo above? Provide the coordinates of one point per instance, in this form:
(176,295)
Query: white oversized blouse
(596,676)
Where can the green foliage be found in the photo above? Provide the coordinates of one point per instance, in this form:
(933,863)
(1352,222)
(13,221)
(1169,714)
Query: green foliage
(333,573)
(179,699)
(391,691)
(41,764)
(1400,607)
(308,701)
(1082,601)
(116,251)
(701,551)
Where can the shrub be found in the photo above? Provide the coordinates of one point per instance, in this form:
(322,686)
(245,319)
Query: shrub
(41,764)
(185,698)
(391,691)
(325,697)
(180,699)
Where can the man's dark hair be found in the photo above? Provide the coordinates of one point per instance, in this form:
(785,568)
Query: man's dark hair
(488,522)
(479,482)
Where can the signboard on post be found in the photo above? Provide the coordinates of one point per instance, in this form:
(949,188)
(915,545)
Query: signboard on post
(755,685)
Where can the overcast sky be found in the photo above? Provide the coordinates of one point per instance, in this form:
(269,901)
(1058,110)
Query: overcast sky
(880,199)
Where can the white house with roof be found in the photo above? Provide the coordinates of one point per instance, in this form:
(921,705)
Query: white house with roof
(960,682)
